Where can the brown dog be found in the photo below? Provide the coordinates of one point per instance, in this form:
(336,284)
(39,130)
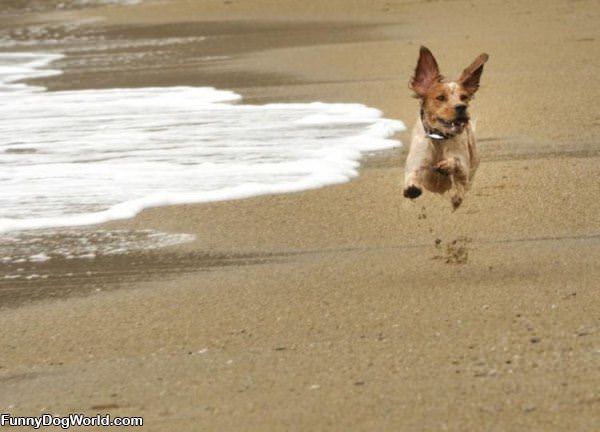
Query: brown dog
(442,155)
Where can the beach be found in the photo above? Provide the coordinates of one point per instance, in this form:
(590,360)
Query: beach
(346,307)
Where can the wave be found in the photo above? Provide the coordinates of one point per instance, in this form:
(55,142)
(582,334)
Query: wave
(84,157)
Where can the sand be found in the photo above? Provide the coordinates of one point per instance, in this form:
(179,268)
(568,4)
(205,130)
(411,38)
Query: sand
(347,307)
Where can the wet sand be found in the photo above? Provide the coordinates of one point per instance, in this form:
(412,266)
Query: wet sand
(347,307)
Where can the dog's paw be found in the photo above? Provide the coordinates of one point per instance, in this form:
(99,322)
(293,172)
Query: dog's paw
(456,201)
(446,167)
(412,192)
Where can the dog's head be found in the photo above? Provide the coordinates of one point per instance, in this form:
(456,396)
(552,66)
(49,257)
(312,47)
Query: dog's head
(445,104)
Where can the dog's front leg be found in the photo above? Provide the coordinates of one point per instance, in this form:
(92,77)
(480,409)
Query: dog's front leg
(449,166)
(419,158)
(413,184)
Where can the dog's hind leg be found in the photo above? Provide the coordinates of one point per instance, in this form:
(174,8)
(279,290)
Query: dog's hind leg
(457,192)
(454,168)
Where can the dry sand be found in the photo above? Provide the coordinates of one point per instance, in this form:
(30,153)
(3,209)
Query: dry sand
(335,309)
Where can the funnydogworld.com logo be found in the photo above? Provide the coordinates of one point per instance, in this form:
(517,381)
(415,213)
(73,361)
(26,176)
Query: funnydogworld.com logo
(68,421)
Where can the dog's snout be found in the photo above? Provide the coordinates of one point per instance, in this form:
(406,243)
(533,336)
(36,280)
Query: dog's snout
(460,109)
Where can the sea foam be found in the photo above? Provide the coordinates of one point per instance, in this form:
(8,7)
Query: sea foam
(83,157)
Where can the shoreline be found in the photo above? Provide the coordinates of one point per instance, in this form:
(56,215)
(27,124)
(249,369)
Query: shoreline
(337,308)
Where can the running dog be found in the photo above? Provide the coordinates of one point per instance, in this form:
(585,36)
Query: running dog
(442,155)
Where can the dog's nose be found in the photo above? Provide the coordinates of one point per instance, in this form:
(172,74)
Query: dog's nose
(460,109)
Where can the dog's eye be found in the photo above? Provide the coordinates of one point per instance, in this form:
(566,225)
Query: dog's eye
(464,97)
(441,98)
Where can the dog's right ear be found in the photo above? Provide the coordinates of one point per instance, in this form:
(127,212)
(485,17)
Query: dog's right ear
(427,73)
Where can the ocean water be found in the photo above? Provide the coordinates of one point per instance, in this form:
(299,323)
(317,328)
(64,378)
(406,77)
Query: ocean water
(51,5)
(74,158)
(38,246)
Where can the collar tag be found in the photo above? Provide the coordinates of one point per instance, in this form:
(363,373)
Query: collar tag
(435,136)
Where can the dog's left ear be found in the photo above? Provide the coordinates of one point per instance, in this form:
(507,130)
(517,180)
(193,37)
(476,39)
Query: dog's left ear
(472,74)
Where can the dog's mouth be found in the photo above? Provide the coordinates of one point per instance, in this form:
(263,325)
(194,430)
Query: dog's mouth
(457,123)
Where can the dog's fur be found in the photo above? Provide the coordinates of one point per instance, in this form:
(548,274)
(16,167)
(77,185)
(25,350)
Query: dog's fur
(442,154)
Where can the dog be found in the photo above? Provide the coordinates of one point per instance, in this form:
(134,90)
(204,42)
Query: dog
(442,155)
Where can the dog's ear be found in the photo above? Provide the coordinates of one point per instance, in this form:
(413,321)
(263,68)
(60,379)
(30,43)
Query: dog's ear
(427,73)
(472,74)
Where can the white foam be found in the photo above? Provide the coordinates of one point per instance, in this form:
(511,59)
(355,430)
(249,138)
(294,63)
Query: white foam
(39,246)
(84,157)
(39,257)
(106,2)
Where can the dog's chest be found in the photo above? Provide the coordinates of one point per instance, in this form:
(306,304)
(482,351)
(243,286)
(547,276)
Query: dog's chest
(442,149)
